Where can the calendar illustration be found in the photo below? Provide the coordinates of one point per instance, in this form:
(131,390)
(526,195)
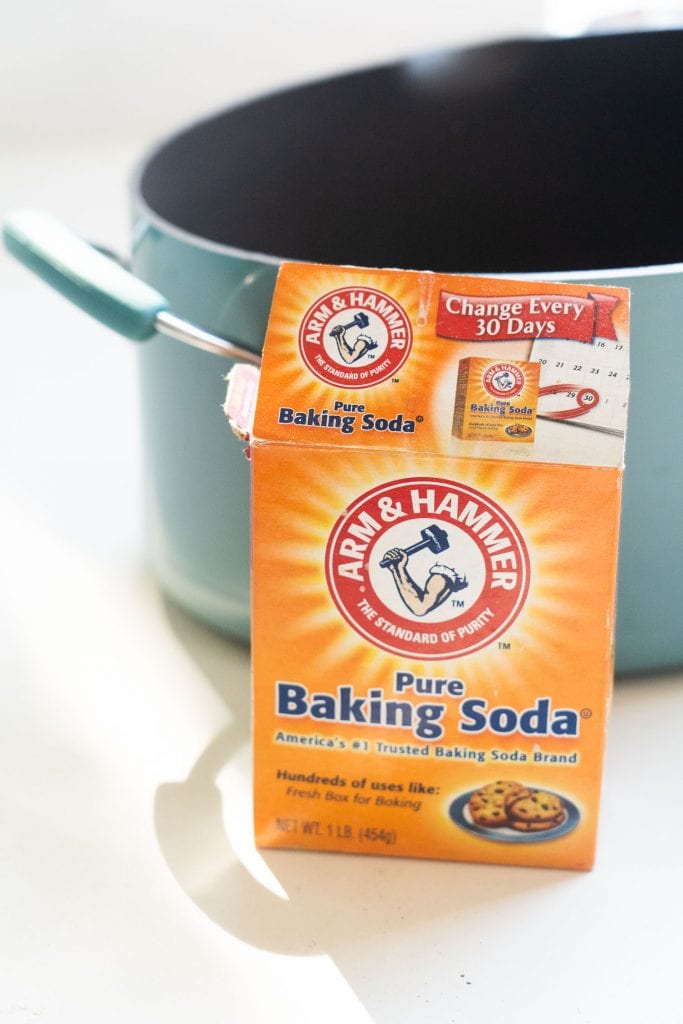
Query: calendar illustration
(583,383)
(536,361)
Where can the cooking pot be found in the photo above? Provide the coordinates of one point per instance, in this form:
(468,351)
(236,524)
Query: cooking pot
(553,158)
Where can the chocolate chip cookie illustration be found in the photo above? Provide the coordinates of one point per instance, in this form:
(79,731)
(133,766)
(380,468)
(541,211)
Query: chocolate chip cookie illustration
(503,787)
(487,805)
(488,811)
(536,826)
(535,806)
(510,811)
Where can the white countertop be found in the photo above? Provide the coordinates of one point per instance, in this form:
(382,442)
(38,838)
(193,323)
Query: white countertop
(130,889)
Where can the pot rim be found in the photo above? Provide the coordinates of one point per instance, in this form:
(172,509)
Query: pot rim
(141,206)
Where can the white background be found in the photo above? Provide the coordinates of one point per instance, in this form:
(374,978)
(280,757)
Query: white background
(129,887)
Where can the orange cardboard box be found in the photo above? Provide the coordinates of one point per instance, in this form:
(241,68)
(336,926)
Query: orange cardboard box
(432,615)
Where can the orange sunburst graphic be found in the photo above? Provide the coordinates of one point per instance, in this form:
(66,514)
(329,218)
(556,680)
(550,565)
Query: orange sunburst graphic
(298,510)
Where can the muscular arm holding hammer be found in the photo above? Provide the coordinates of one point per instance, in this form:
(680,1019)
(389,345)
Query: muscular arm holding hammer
(418,600)
(348,352)
(441,582)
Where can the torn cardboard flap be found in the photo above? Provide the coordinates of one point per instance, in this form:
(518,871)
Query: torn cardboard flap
(240,402)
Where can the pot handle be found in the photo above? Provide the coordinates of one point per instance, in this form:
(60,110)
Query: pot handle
(101,287)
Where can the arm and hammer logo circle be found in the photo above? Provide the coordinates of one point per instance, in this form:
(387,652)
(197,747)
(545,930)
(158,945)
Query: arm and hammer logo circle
(355,337)
(427,567)
(503,380)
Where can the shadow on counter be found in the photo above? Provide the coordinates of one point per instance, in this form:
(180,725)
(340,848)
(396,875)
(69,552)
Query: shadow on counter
(298,902)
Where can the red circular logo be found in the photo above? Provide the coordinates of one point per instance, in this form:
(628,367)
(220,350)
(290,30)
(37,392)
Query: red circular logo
(355,337)
(503,380)
(427,567)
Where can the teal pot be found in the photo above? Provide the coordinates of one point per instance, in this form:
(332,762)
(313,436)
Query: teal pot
(555,158)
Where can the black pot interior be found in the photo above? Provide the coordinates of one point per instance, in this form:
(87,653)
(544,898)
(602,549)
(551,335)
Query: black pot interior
(541,155)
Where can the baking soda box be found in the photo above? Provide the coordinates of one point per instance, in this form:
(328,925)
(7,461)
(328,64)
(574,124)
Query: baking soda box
(437,466)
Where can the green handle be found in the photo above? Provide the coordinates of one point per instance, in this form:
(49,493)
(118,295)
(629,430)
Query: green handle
(86,277)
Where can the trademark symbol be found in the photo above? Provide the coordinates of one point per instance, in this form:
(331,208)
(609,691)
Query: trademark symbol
(419,419)
(586,713)
(503,645)
(395,380)
(457,603)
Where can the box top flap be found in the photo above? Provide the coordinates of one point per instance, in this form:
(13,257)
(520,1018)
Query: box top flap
(469,366)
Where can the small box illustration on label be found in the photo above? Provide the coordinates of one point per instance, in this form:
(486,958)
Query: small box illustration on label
(496,399)
(432,603)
